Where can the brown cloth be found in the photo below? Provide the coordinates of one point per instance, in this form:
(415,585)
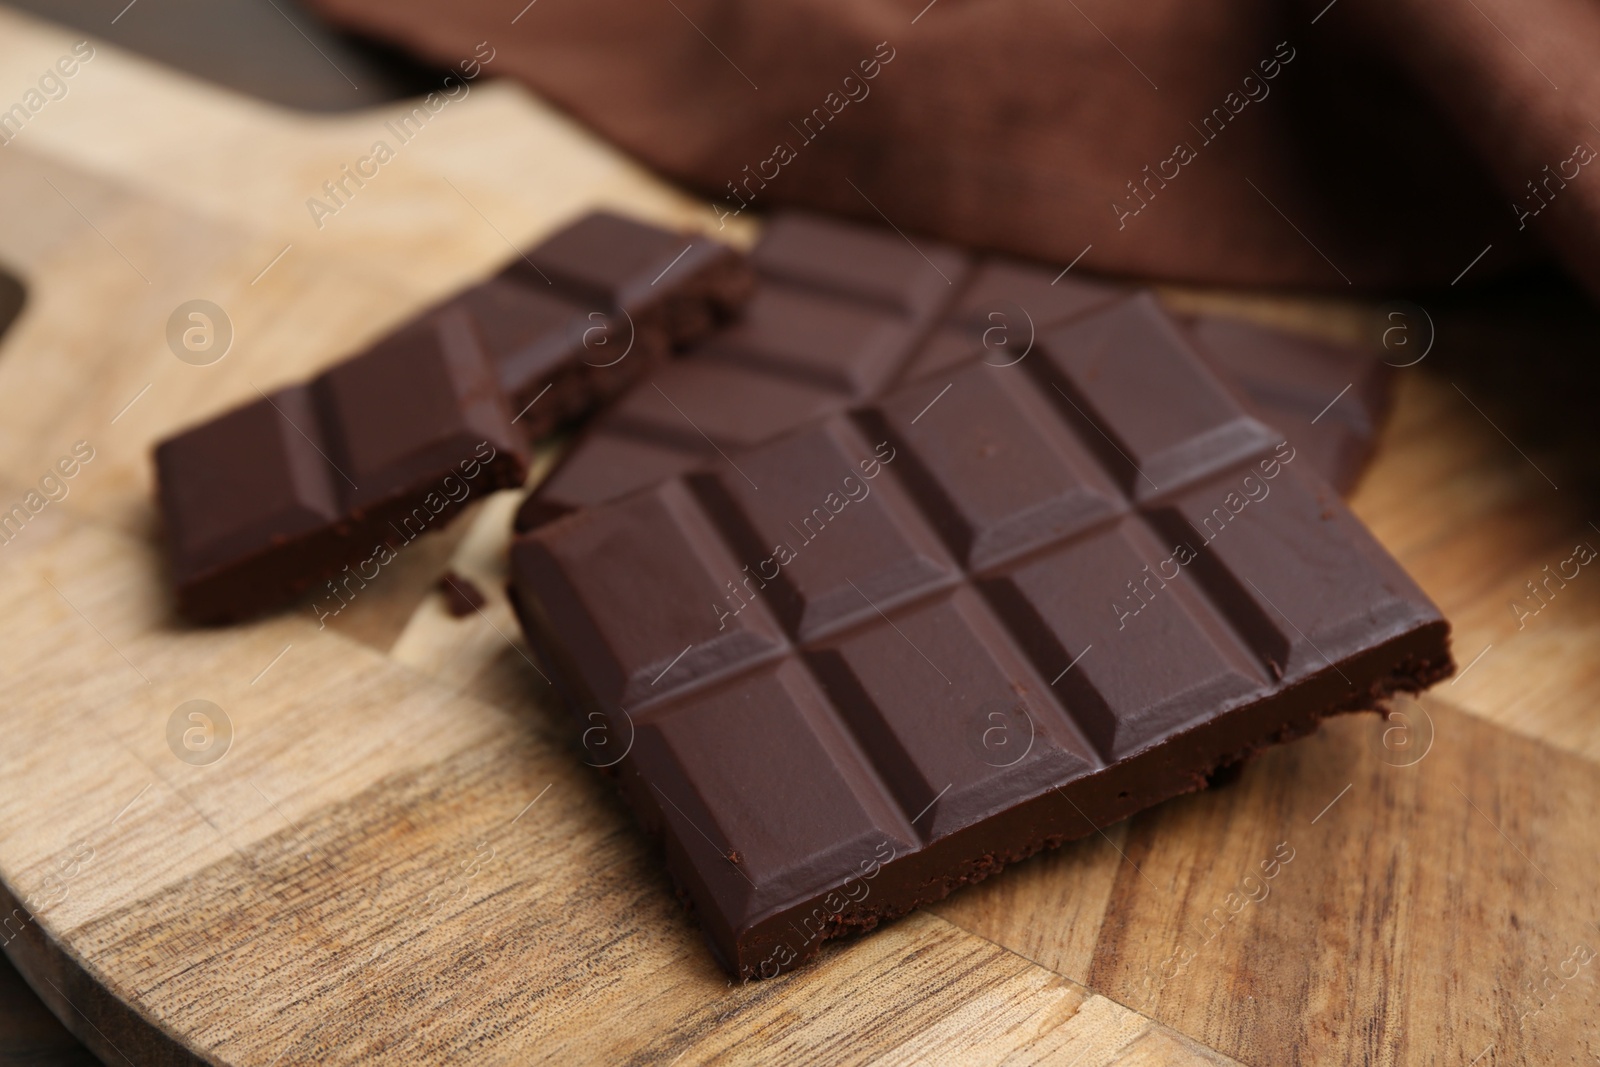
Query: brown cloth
(1357,144)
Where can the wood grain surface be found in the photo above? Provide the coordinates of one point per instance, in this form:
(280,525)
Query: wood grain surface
(399,857)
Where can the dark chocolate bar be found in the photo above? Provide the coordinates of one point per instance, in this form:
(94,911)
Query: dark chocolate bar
(885,655)
(329,480)
(594,307)
(678,285)
(318,485)
(1331,398)
(843,312)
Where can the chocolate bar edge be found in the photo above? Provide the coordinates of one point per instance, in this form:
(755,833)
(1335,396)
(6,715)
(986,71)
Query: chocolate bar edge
(238,590)
(721,279)
(1087,805)
(1409,662)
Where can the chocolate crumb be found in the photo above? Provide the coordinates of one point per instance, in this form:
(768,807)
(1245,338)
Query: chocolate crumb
(461,597)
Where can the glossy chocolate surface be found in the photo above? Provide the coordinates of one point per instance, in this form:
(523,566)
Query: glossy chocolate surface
(843,312)
(316,486)
(335,476)
(929,634)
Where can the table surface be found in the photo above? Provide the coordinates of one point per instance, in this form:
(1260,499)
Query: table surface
(399,855)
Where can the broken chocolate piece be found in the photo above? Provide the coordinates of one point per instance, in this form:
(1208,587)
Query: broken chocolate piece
(337,475)
(327,480)
(461,596)
(890,652)
(843,312)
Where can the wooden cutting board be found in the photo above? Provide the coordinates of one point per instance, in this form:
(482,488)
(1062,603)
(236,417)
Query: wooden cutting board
(398,854)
